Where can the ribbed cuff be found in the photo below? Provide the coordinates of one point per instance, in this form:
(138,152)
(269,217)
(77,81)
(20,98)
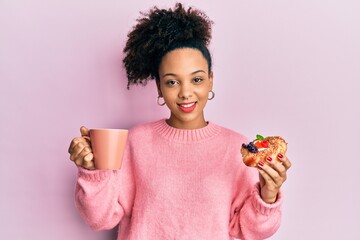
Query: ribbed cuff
(94,175)
(263,207)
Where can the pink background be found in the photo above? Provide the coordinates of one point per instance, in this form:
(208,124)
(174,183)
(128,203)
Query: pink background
(281,67)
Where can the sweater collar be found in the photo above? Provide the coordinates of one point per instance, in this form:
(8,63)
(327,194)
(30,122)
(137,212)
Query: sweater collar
(186,135)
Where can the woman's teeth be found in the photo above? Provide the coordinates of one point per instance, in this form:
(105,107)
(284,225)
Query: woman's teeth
(187,105)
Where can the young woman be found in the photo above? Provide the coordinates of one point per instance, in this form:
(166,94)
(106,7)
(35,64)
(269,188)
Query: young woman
(181,177)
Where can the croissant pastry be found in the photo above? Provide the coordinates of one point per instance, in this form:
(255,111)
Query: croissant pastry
(258,149)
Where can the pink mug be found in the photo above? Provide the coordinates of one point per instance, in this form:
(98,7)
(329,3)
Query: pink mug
(108,147)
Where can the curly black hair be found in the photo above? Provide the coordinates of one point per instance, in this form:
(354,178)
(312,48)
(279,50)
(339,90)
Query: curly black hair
(160,31)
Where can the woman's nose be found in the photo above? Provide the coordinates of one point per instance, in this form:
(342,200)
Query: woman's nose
(186,91)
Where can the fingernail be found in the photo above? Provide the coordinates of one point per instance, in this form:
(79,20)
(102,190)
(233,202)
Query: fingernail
(261,164)
(269,158)
(280,155)
(88,157)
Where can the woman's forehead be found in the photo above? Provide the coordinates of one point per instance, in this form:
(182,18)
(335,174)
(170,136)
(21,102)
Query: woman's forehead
(183,60)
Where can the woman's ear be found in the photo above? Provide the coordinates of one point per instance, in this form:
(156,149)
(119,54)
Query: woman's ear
(211,78)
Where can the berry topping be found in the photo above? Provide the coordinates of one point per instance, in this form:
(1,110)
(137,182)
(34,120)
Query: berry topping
(252,148)
(264,143)
(258,144)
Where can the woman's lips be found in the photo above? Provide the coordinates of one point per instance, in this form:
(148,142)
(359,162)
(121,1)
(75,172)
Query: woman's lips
(187,107)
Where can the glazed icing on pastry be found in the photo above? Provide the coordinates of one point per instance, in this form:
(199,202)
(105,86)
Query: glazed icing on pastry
(258,149)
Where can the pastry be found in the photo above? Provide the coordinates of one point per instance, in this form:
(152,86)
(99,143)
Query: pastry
(258,149)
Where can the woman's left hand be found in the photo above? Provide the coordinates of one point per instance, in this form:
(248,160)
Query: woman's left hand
(272,176)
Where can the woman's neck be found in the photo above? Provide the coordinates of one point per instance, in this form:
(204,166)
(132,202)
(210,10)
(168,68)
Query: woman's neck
(191,124)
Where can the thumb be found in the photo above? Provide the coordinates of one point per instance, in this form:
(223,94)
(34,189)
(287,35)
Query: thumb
(84,131)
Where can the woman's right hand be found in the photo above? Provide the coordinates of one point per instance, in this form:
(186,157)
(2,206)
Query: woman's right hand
(80,150)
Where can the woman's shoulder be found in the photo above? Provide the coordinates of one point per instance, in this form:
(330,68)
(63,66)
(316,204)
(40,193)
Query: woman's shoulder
(232,134)
(141,133)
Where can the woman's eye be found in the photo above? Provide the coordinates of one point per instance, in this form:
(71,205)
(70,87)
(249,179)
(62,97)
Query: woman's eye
(171,82)
(198,80)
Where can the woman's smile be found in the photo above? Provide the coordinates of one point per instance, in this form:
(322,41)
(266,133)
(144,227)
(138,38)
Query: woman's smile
(187,107)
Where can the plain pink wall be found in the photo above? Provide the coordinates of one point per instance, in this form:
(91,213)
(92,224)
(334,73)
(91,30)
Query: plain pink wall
(281,67)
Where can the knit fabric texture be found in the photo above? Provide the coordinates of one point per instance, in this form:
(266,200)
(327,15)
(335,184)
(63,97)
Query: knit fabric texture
(178,184)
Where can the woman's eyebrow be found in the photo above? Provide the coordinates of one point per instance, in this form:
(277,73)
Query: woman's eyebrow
(174,75)
(198,72)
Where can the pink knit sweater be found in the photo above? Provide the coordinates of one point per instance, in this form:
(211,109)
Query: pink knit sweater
(178,184)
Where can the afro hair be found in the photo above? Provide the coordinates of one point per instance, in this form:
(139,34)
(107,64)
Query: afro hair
(160,31)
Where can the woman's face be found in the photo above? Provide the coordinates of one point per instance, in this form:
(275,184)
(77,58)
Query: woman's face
(185,84)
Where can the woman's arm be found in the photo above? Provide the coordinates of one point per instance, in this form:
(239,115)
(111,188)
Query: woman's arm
(253,218)
(256,211)
(104,197)
(97,198)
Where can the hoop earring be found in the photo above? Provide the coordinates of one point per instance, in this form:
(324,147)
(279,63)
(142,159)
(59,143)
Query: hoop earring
(212,95)
(160,104)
